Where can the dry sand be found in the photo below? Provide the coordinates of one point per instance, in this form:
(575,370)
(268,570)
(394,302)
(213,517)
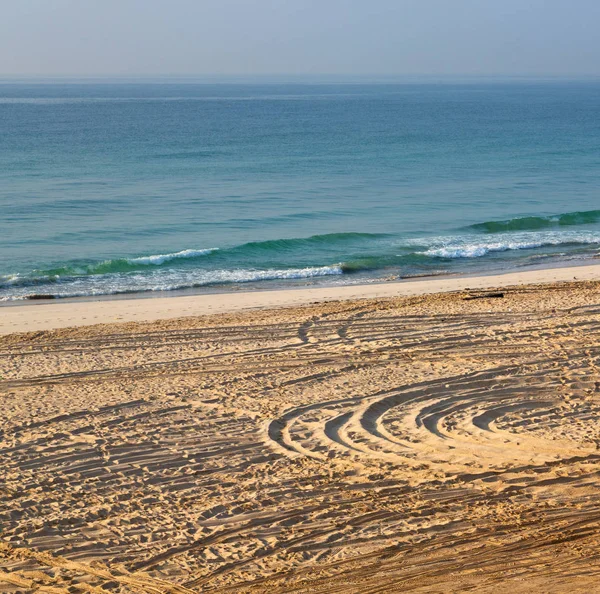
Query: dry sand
(410,444)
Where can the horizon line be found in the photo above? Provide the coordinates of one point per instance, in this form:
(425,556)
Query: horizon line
(289,77)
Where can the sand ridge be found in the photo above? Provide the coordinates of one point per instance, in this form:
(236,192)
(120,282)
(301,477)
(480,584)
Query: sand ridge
(416,444)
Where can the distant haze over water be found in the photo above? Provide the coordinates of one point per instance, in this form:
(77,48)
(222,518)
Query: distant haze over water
(126,187)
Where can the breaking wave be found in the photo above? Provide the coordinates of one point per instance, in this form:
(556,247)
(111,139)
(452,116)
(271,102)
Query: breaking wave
(455,249)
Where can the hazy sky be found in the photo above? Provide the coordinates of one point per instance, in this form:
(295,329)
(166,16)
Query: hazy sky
(348,37)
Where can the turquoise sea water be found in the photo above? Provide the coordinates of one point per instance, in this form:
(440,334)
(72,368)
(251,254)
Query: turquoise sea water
(116,188)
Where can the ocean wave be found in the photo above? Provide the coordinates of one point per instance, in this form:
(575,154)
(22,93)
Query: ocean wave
(586,217)
(286,259)
(255,252)
(455,249)
(158,259)
(75,269)
(166,280)
(295,243)
(8,281)
(247,276)
(277,254)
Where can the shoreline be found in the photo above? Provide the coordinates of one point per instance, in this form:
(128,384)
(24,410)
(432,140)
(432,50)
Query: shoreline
(51,315)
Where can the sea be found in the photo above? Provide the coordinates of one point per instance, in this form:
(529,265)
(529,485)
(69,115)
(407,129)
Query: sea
(152,187)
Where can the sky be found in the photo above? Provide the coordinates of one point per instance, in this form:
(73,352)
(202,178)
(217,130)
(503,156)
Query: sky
(95,38)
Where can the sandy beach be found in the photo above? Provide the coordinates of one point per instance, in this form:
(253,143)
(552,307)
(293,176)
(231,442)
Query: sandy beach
(398,437)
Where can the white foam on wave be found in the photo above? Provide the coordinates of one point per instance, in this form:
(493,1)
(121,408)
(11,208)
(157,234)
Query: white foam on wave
(158,259)
(168,280)
(468,247)
(477,251)
(241,276)
(9,279)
